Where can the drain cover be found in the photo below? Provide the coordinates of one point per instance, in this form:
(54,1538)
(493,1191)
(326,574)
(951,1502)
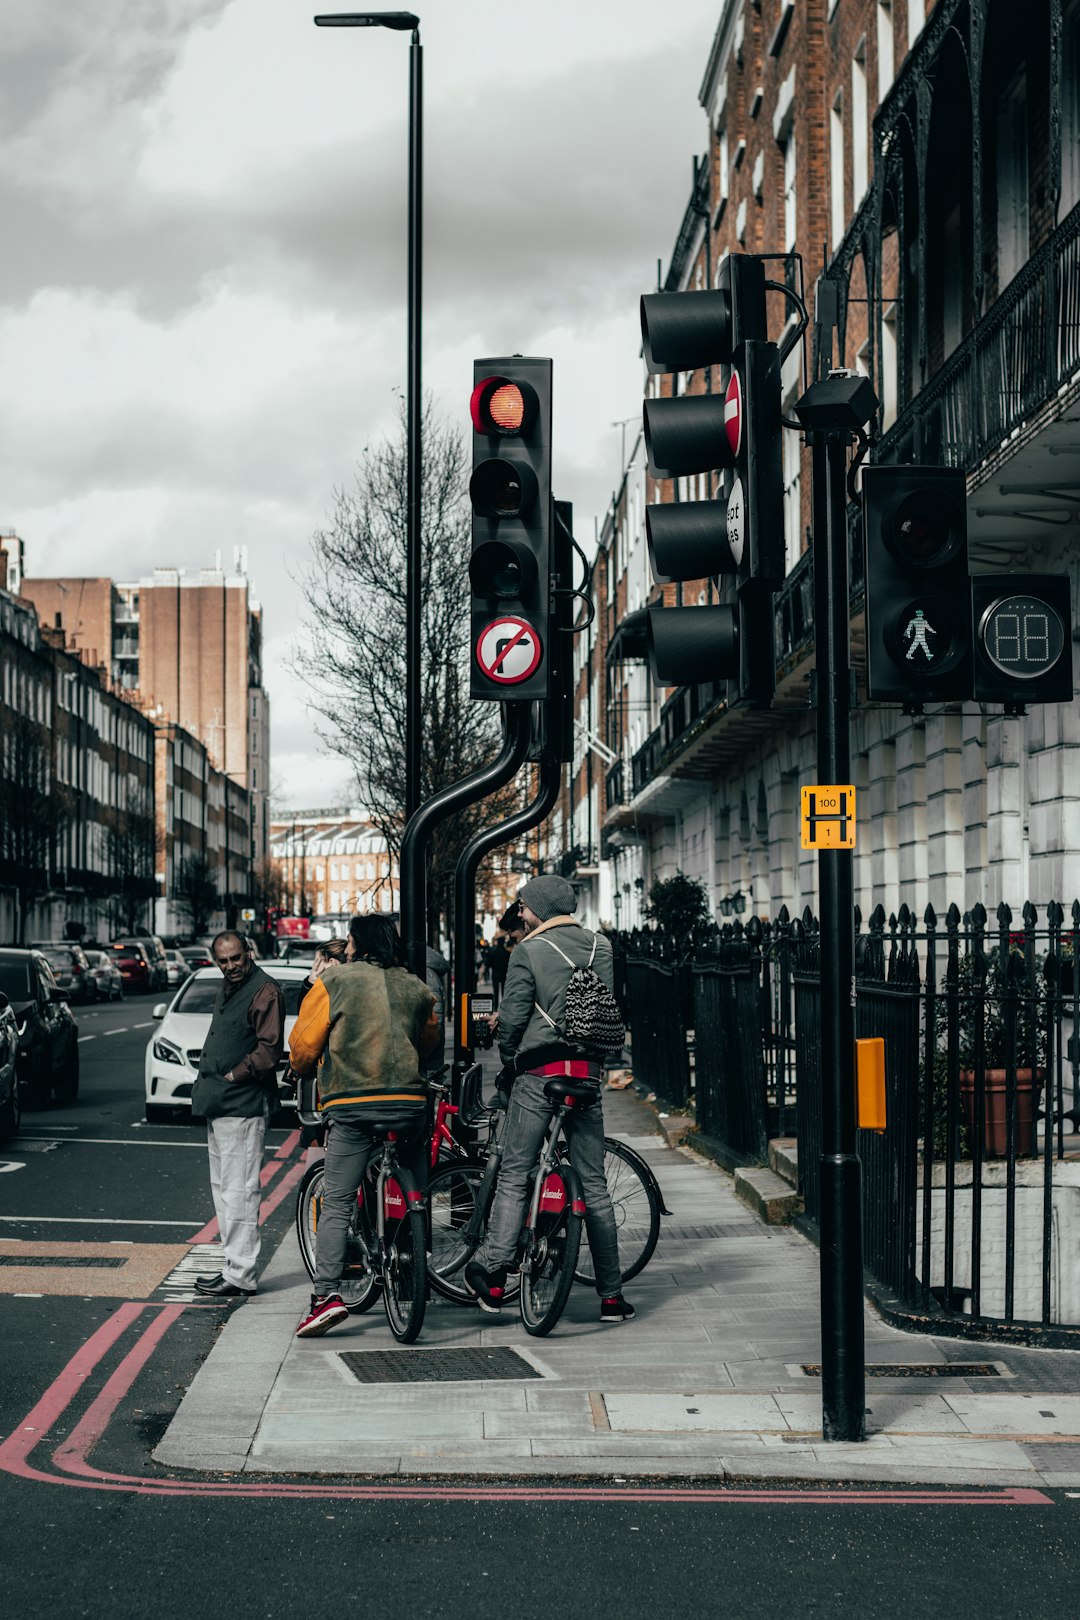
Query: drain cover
(435,1366)
(919,1369)
(52,1261)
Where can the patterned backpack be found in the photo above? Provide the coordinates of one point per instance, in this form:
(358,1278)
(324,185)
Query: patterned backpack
(592,1018)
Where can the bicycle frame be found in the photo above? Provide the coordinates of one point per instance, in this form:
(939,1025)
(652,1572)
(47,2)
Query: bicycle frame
(542,1199)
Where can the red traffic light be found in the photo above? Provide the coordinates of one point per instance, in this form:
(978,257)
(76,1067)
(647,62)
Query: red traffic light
(502,407)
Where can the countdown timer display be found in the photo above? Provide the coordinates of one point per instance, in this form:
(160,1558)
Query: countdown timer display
(1022,636)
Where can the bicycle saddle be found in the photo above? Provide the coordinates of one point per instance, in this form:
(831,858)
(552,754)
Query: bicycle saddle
(579,1092)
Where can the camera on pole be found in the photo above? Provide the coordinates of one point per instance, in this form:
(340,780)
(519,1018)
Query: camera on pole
(735,433)
(511,567)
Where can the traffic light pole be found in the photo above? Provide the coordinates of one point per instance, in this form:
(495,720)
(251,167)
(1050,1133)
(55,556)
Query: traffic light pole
(414,421)
(414,844)
(842,1350)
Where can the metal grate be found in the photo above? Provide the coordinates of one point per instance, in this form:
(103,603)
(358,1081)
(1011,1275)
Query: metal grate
(435,1366)
(919,1369)
(49,1262)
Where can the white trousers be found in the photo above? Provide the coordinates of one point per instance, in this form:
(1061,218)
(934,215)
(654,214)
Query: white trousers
(236,1152)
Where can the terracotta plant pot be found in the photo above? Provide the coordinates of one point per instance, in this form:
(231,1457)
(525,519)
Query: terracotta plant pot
(996,1109)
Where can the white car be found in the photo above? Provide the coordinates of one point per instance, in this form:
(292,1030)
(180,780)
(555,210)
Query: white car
(173,1052)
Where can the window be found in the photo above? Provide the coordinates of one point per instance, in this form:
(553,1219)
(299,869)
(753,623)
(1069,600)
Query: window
(837,216)
(886,67)
(1012,176)
(790,222)
(952,307)
(859,155)
(916,16)
(1070,109)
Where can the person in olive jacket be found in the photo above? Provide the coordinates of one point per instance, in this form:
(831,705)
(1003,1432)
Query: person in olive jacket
(234,1092)
(378,1023)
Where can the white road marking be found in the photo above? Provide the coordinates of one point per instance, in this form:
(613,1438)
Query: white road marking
(110,1141)
(148,1025)
(90,1220)
(87,1038)
(117,1031)
(28,1296)
(8,1165)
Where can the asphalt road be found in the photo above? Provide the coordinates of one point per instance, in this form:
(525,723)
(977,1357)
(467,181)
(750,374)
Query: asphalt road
(90,1526)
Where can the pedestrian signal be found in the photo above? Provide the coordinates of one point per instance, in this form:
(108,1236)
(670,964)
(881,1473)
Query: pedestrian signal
(918,604)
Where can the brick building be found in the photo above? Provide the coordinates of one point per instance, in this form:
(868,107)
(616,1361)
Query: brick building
(928,164)
(185,645)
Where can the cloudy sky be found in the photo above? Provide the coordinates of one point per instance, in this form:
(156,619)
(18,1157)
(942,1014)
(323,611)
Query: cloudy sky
(202,282)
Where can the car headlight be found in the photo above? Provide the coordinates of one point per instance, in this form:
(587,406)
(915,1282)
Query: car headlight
(165,1052)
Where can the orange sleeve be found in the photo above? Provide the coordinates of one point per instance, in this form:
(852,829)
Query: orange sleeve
(311,1032)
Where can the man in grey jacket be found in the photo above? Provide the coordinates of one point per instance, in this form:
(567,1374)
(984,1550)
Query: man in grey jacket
(234,1092)
(534,1051)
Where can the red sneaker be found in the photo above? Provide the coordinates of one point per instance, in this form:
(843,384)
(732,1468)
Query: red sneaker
(326,1310)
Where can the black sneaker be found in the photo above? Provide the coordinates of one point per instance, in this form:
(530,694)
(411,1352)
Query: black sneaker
(616,1309)
(486,1287)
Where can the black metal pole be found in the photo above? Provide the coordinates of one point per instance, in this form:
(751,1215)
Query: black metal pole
(414,418)
(465,889)
(842,1348)
(516,732)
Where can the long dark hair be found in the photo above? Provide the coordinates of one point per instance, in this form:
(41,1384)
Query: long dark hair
(376,941)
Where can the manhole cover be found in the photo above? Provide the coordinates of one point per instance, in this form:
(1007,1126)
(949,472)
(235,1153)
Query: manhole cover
(919,1369)
(435,1366)
(51,1261)
(33,1144)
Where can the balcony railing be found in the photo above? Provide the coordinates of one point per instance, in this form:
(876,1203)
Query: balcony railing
(1011,365)
(614,788)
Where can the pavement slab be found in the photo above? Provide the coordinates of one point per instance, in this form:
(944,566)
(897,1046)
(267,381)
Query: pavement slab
(707,1381)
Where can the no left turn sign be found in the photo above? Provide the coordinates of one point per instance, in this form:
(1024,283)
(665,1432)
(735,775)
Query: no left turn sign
(508,650)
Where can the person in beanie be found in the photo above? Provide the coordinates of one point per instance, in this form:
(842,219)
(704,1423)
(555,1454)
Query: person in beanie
(533,1053)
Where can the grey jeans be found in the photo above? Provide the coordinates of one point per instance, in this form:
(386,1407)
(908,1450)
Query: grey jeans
(349,1146)
(526,1121)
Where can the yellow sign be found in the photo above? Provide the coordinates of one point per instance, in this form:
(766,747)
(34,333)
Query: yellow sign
(828,817)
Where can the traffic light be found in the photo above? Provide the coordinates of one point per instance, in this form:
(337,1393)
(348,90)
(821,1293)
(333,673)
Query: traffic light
(512,559)
(918,597)
(1023,638)
(737,433)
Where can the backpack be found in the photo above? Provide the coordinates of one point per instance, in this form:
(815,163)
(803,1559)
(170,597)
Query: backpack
(592,1018)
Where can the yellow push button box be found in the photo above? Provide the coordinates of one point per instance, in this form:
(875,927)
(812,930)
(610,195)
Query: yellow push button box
(870,1083)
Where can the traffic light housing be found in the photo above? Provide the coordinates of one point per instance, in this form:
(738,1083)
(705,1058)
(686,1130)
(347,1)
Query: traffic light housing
(511,567)
(918,597)
(736,432)
(1022,638)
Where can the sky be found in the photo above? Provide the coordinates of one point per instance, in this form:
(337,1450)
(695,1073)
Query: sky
(203,276)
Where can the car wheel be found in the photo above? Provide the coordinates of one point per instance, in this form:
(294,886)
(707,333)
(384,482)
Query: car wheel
(67,1090)
(157,1114)
(36,1092)
(11,1113)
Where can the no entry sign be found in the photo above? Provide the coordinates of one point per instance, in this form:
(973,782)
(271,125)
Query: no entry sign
(733,413)
(508,650)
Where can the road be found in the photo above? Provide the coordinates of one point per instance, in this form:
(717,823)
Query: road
(90,1526)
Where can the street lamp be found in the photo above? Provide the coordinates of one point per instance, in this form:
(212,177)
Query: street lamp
(402,21)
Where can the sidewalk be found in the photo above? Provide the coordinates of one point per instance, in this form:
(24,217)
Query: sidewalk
(709,1380)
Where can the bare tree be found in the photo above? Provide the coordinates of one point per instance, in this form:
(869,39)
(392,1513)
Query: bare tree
(355,596)
(195,891)
(131,843)
(34,811)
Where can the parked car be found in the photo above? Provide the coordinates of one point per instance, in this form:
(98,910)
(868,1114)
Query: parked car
(10,1101)
(134,964)
(197,956)
(71,970)
(105,970)
(47,1059)
(297,951)
(155,955)
(173,1052)
(177,968)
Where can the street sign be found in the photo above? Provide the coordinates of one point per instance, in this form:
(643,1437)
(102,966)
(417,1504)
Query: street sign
(247,916)
(828,817)
(508,650)
(736,524)
(733,413)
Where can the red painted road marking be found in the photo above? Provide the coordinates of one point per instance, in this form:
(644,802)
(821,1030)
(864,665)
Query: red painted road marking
(210,1231)
(72,1455)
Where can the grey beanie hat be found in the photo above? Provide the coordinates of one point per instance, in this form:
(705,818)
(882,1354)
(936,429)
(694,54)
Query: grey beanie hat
(548,896)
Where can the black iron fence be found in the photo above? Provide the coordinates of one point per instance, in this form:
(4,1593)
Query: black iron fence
(972,1192)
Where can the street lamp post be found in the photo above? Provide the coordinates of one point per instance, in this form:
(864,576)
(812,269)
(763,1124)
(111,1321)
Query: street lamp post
(405,21)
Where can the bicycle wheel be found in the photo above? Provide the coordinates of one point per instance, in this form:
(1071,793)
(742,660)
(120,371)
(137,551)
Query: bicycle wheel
(551,1251)
(359,1284)
(404,1257)
(637,1213)
(453,1193)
